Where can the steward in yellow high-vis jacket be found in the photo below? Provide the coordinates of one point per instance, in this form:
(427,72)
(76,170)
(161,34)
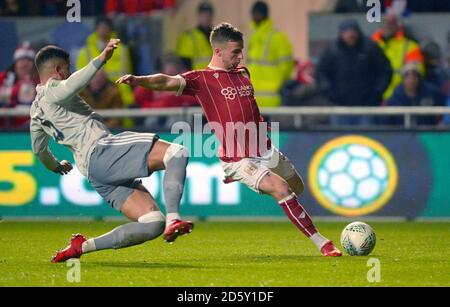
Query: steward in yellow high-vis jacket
(270,59)
(193,46)
(117,66)
(399,49)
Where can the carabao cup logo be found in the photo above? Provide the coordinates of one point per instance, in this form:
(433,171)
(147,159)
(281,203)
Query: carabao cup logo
(353,176)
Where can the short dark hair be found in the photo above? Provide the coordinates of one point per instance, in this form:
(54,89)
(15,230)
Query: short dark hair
(104,19)
(262,8)
(225,32)
(205,7)
(49,53)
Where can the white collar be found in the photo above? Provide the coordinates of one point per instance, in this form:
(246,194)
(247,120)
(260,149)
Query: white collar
(215,68)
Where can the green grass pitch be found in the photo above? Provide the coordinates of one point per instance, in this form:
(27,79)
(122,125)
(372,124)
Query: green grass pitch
(227,254)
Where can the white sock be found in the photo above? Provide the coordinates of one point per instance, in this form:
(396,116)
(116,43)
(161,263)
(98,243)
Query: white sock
(88,246)
(172,216)
(318,240)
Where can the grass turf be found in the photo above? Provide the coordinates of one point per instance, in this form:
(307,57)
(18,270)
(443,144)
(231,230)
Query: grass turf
(227,254)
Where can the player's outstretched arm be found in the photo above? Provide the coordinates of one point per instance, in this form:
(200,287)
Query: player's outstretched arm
(158,82)
(81,78)
(39,145)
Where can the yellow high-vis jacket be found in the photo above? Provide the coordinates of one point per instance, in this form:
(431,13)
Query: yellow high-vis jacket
(194,45)
(400,51)
(270,62)
(117,66)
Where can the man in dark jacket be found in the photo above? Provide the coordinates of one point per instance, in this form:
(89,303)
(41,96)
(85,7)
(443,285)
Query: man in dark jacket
(354,72)
(415,92)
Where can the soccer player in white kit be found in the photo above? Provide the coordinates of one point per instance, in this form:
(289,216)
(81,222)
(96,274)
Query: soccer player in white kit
(111,163)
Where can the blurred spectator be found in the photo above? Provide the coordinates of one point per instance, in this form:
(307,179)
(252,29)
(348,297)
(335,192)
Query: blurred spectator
(396,7)
(446,65)
(13,8)
(136,32)
(350,6)
(447,50)
(134,7)
(446,119)
(73,43)
(269,59)
(429,6)
(128,7)
(436,72)
(145,98)
(399,50)
(306,73)
(60,8)
(304,91)
(118,65)
(18,85)
(103,94)
(353,72)
(92,8)
(193,46)
(415,92)
(165,4)
(53,7)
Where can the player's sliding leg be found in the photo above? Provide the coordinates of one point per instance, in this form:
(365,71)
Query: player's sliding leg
(148,224)
(279,189)
(172,158)
(283,167)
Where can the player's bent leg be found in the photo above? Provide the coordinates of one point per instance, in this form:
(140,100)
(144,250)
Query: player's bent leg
(155,159)
(148,227)
(278,188)
(274,185)
(283,167)
(173,158)
(175,162)
(148,224)
(138,203)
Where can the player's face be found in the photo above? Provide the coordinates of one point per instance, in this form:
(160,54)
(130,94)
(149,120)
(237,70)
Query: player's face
(232,55)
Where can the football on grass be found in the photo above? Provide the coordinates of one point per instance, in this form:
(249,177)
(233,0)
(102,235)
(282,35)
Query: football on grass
(358,239)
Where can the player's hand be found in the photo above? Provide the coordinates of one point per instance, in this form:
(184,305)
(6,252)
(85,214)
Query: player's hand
(109,50)
(63,168)
(128,79)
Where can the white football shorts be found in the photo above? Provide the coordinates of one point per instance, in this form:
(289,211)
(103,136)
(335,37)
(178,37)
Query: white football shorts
(250,171)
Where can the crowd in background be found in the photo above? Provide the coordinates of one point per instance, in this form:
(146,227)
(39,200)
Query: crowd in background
(387,68)
(111,8)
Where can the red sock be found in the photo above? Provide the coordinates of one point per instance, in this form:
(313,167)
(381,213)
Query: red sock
(298,215)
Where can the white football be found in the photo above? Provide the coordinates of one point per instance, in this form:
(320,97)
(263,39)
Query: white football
(358,239)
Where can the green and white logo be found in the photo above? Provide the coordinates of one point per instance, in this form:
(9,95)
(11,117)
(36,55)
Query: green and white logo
(353,175)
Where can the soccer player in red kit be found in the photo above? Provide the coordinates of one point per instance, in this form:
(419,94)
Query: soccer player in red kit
(225,92)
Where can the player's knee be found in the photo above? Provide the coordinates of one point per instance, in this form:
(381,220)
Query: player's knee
(157,230)
(282,189)
(153,224)
(178,152)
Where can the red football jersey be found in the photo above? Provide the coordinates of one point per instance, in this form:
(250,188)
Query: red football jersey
(228,101)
